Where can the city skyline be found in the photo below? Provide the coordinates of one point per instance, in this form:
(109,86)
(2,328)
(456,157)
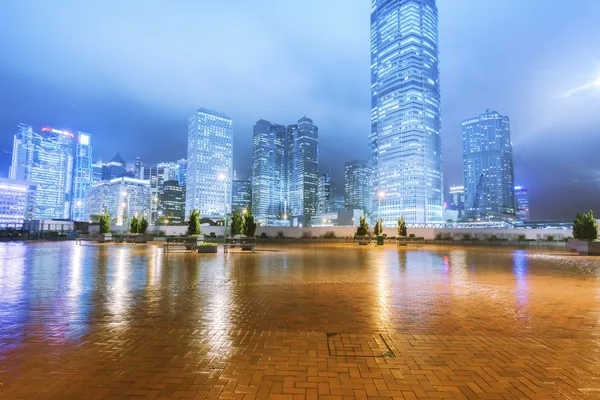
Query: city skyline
(553,126)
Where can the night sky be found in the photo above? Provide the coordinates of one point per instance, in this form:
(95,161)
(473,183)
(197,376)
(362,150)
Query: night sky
(132,72)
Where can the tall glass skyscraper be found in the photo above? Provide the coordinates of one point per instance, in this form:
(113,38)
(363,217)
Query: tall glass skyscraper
(357,194)
(269,186)
(488,166)
(82,175)
(45,159)
(241,197)
(522,203)
(405,136)
(303,175)
(209,163)
(17,199)
(324,195)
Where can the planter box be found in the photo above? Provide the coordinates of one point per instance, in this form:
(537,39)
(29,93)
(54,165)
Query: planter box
(576,244)
(207,249)
(105,237)
(587,247)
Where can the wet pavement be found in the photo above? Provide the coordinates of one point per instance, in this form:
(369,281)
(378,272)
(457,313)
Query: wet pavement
(303,321)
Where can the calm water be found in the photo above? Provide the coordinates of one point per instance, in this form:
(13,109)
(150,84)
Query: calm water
(63,301)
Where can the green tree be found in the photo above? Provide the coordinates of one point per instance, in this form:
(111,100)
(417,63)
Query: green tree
(378,229)
(363,228)
(134,225)
(585,227)
(142,225)
(249,226)
(402,231)
(104,222)
(194,223)
(237,223)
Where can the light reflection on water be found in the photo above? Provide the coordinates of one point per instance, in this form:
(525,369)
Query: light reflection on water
(65,291)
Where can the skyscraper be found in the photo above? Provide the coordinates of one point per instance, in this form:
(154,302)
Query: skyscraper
(522,203)
(488,166)
(405,139)
(269,186)
(139,168)
(457,196)
(171,203)
(357,191)
(303,175)
(210,155)
(17,199)
(324,195)
(123,198)
(182,172)
(241,195)
(45,159)
(82,175)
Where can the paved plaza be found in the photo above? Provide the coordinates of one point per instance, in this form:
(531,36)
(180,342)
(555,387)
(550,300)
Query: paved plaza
(291,322)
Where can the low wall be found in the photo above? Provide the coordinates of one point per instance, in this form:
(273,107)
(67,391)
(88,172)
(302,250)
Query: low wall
(348,231)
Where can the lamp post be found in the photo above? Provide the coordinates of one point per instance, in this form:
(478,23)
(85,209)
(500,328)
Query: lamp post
(380,195)
(223,177)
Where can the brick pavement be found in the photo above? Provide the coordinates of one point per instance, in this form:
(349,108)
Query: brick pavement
(330,322)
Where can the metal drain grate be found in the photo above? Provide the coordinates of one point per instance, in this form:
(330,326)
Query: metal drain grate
(358,345)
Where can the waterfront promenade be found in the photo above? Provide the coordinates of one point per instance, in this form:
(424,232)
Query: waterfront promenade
(331,321)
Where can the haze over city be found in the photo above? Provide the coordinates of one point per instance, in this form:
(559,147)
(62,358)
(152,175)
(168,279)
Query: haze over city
(132,73)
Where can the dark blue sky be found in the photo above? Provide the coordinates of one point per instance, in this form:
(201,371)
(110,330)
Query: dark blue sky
(131,72)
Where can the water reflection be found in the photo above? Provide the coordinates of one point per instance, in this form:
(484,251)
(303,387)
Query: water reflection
(520,270)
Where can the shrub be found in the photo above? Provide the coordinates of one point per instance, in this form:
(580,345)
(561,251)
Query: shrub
(142,225)
(584,226)
(412,236)
(493,238)
(329,235)
(306,235)
(438,236)
(104,222)
(378,229)
(237,223)
(363,228)
(401,226)
(550,238)
(194,223)
(521,238)
(207,244)
(280,234)
(249,227)
(466,236)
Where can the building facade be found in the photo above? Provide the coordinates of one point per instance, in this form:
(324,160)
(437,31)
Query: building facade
(171,203)
(522,203)
(488,167)
(303,167)
(457,200)
(17,200)
(209,163)
(357,188)
(241,198)
(324,195)
(405,141)
(123,198)
(45,159)
(269,172)
(82,175)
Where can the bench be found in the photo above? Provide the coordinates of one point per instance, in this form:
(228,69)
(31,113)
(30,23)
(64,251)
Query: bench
(246,243)
(363,240)
(186,243)
(134,239)
(86,238)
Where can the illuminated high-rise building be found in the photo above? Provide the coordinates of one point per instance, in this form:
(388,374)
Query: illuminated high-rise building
(45,159)
(209,163)
(82,175)
(17,200)
(123,198)
(303,170)
(457,198)
(488,167)
(522,203)
(357,192)
(269,163)
(324,195)
(171,203)
(405,139)
(241,195)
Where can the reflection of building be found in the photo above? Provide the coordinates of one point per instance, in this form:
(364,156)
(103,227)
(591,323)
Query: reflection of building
(241,195)
(82,175)
(303,176)
(522,203)
(171,203)
(45,159)
(406,138)
(209,163)
(121,197)
(457,196)
(269,186)
(488,166)
(357,190)
(17,199)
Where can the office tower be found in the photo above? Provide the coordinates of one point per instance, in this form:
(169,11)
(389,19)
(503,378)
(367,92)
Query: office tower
(182,172)
(522,203)
(268,172)
(457,197)
(116,168)
(488,166)
(324,195)
(17,201)
(241,195)
(45,159)
(357,190)
(82,175)
(303,175)
(405,136)
(171,203)
(139,168)
(210,153)
(97,171)
(123,198)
